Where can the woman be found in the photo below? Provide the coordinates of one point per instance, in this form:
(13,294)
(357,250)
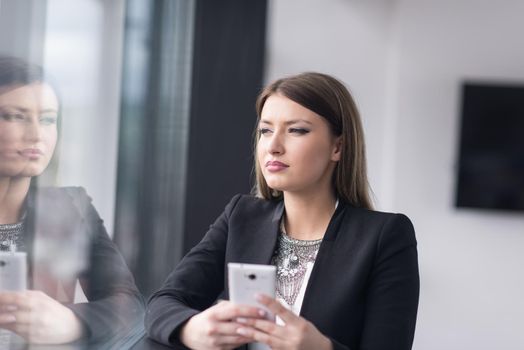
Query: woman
(60,230)
(347,276)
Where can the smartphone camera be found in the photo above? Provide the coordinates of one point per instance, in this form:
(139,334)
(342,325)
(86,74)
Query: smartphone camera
(252,276)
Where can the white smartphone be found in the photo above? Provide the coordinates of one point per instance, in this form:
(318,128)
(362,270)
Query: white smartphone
(13,271)
(246,280)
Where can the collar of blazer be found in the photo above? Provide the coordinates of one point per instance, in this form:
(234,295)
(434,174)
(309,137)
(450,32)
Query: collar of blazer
(334,223)
(261,231)
(316,287)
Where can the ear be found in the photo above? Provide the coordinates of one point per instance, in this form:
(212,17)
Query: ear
(337,149)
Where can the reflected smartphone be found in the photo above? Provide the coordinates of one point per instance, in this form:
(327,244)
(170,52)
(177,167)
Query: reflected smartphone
(13,271)
(246,280)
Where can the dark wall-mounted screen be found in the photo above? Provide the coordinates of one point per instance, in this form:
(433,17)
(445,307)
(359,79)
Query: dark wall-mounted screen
(491,154)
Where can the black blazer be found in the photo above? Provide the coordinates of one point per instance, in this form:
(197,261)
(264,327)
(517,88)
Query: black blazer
(362,293)
(66,241)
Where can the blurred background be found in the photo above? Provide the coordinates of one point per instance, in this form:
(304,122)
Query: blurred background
(158,113)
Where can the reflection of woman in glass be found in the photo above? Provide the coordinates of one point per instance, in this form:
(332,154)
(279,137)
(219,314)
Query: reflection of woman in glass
(58,228)
(347,276)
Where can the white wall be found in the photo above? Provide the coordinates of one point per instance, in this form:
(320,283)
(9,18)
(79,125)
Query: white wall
(79,43)
(472,288)
(346,38)
(83,55)
(404,61)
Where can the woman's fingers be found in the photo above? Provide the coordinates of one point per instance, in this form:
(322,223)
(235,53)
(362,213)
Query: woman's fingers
(20,329)
(15,307)
(8,308)
(20,317)
(24,317)
(21,300)
(260,336)
(7,318)
(232,340)
(276,308)
(13,300)
(223,328)
(229,311)
(265,326)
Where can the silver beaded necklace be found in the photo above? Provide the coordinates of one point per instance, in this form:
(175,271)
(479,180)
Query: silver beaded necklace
(11,236)
(291,259)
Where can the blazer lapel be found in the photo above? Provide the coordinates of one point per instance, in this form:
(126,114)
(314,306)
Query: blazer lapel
(256,244)
(56,239)
(316,289)
(254,241)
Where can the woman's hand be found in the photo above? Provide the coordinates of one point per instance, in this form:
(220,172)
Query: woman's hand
(215,327)
(297,333)
(38,318)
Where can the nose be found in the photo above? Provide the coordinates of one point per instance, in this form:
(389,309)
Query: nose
(275,144)
(33,131)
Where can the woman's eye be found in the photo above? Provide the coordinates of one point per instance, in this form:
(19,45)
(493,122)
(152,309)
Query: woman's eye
(300,131)
(13,116)
(48,120)
(263,131)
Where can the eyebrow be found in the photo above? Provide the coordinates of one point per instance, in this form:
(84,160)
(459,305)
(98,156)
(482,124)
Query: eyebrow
(26,110)
(289,122)
(49,110)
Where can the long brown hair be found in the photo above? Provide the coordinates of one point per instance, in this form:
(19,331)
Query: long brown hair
(329,98)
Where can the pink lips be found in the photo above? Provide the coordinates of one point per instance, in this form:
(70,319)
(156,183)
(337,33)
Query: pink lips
(31,153)
(274,166)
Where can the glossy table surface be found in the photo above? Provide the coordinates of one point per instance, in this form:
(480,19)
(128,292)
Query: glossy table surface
(136,341)
(147,344)
(144,343)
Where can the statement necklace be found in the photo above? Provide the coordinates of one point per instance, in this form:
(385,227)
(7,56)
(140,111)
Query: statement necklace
(291,259)
(11,236)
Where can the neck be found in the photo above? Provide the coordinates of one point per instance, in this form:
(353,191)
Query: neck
(13,192)
(308,215)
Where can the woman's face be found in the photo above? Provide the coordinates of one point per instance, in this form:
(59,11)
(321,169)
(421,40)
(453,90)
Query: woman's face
(28,129)
(296,150)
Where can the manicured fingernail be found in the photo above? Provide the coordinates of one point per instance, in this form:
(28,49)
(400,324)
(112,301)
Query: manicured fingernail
(241,320)
(262,313)
(242,331)
(7,319)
